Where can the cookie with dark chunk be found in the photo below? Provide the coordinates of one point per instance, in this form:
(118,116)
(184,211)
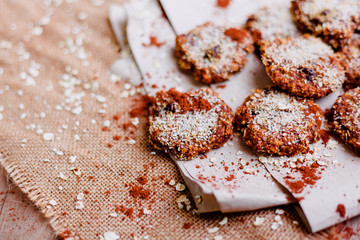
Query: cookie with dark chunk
(213,53)
(187,124)
(275,123)
(272,22)
(333,20)
(344,118)
(303,66)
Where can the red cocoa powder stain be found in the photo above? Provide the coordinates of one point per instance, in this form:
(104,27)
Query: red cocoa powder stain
(139,192)
(187,225)
(140,106)
(153,42)
(236,34)
(223,3)
(341,210)
(308,177)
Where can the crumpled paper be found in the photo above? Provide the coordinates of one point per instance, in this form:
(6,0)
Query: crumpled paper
(218,182)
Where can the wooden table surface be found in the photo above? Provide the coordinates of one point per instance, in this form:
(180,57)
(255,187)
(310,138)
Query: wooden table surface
(19,219)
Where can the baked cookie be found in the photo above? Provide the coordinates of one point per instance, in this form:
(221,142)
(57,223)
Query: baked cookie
(272,22)
(333,20)
(213,53)
(351,64)
(186,124)
(275,123)
(345,120)
(303,66)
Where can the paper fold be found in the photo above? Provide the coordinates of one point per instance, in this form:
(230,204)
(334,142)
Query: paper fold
(231,178)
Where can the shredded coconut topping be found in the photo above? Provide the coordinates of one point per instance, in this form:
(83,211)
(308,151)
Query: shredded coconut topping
(331,17)
(177,125)
(209,40)
(299,51)
(279,113)
(274,22)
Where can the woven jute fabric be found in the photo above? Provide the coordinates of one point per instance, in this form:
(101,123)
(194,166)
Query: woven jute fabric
(39,108)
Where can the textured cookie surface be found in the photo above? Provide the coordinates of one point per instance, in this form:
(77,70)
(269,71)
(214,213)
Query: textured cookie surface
(275,123)
(272,22)
(213,53)
(303,66)
(334,20)
(186,124)
(345,118)
(351,62)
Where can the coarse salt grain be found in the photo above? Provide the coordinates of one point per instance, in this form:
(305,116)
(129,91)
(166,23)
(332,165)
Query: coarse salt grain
(218,237)
(48,136)
(77,110)
(82,15)
(146,211)
(80,196)
(180,187)
(72,159)
(113,214)
(106,123)
(37,31)
(259,221)
(52,202)
(213,230)
(274,226)
(279,211)
(172,182)
(62,176)
(110,236)
(79,205)
(100,99)
(224,221)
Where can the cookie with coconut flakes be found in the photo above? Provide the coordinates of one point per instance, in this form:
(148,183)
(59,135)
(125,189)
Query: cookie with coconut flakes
(272,22)
(333,20)
(187,124)
(344,118)
(303,66)
(213,53)
(276,123)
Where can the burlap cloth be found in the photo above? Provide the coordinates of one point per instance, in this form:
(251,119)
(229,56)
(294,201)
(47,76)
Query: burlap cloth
(106,174)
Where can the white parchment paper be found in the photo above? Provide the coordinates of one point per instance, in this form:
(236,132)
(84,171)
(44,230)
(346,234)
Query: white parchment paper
(340,178)
(218,179)
(231,178)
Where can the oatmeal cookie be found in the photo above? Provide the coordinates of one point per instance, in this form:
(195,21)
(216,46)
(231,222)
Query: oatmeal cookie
(213,53)
(351,64)
(275,123)
(272,22)
(303,66)
(187,124)
(333,20)
(344,118)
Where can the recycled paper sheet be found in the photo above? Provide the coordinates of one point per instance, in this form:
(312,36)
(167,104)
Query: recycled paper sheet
(218,178)
(340,178)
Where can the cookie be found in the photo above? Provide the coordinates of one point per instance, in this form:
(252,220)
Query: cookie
(276,123)
(303,66)
(351,64)
(350,54)
(344,118)
(213,53)
(333,20)
(187,124)
(272,22)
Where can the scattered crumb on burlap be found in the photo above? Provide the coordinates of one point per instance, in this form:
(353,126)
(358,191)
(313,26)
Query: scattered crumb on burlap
(41,132)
